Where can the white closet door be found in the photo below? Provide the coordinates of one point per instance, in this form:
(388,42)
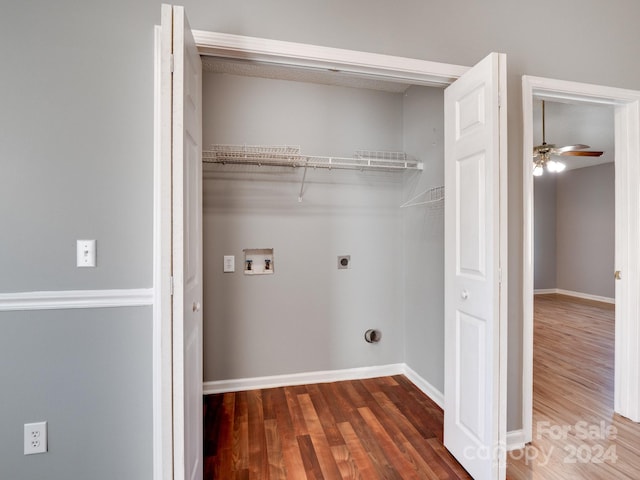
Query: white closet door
(475,137)
(186,119)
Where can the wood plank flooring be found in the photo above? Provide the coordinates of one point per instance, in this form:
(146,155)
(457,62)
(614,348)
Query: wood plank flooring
(382,428)
(386,428)
(576,434)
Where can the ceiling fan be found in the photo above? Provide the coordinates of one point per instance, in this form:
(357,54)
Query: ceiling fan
(542,153)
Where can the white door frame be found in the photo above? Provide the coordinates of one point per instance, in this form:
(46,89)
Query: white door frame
(419,72)
(627,255)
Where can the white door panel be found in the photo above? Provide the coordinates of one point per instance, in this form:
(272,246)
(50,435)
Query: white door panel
(474,407)
(187,248)
(470,202)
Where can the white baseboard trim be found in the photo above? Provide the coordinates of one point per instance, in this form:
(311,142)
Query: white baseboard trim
(429,390)
(515,440)
(65,299)
(242,384)
(569,293)
(545,291)
(586,296)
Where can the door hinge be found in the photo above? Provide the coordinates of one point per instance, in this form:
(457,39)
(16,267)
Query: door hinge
(171,286)
(171,63)
(500,276)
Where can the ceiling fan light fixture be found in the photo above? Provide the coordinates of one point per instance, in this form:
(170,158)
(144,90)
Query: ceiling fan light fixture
(555,166)
(542,153)
(537,170)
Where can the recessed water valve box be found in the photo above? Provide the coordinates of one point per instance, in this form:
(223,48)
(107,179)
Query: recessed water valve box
(258,261)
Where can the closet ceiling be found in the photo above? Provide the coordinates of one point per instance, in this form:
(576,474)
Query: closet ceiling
(569,124)
(311,75)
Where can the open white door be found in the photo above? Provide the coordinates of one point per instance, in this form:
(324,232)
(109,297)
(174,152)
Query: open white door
(475,257)
(186,237)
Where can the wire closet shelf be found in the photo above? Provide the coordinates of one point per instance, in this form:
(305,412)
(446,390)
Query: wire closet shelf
(291,156)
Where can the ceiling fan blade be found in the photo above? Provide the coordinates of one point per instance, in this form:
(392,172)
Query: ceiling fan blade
(568,148)
(542,152)
(581,153)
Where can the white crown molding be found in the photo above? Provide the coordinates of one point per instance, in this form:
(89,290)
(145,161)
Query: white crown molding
(65,299)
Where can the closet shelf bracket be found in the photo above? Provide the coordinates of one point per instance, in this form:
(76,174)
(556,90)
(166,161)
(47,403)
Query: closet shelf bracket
(304,176)
(433,196)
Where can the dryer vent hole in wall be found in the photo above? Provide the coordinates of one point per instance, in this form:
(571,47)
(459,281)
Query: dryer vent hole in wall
(372,336)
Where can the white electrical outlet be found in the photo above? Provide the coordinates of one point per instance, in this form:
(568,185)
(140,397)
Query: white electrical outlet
(35,438)
(86,253)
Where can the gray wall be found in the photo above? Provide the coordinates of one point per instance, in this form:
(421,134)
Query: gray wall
(574,231)
(76,139)
(544,225)
(308,316)
(76,161)
(586,230)
(85,372)
(423,237)
(76,143)
(321,119)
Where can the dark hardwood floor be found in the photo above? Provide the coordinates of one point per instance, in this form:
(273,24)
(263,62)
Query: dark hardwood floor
(382,428)
(385,428)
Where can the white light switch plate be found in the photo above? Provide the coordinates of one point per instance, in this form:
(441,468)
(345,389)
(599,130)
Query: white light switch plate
(86,253)
(229,263)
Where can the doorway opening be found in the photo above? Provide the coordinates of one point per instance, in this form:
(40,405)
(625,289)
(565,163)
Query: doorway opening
(626,131)
(574,208)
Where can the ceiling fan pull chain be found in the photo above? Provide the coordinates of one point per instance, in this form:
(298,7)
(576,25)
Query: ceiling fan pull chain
(544,142)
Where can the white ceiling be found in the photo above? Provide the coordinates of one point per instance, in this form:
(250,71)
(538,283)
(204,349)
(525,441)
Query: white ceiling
(569,124)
